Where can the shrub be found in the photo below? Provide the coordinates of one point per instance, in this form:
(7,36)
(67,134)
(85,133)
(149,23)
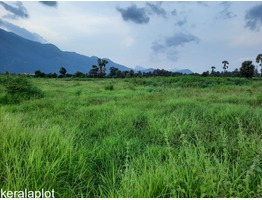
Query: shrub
(109,87)
(18,88)
(259,100)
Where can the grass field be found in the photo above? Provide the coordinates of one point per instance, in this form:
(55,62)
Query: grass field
(151,137)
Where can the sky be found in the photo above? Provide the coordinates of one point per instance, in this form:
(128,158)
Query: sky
(166,35)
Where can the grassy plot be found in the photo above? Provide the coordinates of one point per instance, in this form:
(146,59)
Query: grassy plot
(152,137)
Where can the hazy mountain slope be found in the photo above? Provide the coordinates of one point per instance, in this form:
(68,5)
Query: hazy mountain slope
(19,55)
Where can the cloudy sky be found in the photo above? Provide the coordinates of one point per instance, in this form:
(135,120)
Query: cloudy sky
(193,35)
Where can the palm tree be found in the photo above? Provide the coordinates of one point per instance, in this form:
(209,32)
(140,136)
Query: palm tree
(226,63)
(213,69)
(102,66)
(259,60)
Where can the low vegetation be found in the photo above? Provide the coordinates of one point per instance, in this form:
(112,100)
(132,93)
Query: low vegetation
(17,88)
(185,136)
(247,70)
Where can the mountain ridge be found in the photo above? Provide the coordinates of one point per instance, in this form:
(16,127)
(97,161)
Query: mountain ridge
(20,55)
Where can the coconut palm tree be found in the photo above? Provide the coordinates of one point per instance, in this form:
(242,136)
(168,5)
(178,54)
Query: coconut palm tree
(226,63)
(213,69)
(102,66)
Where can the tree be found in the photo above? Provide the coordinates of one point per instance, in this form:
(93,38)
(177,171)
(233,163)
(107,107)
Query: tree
(38,73)
(131,73)
(213,69)
(78,74)
(62,71)
(119,74)
(259,60)
(247,69)
(226,63)
(102,66)
(51,75)
(205,74)
(113,72)
(139,74)
(94,71)
(235,73)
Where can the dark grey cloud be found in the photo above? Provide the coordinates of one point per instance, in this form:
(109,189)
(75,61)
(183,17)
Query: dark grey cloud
(226,13)
(170,44)
(141,15)
(21,32)
(49,3)
(202,3)
(179,39)
(16,10)
(156,9)
(254,18)
(157,47)
(182,22)
(174,12)
(134,14)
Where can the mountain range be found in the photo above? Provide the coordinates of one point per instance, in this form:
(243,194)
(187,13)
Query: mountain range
(183,71)
(20,55)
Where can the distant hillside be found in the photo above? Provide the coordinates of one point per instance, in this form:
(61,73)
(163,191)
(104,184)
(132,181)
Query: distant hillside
(143,69)
(185,71)
(19,55)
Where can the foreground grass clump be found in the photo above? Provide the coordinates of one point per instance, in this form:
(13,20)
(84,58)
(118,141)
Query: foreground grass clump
(18,88)
(155,137)
(109,87)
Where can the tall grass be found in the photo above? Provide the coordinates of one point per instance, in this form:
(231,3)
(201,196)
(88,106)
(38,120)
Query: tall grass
(17,88)
(152,137)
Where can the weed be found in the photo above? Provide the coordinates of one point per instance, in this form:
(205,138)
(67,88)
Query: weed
(169,137)
(259,100)
(18,89)
(109,87)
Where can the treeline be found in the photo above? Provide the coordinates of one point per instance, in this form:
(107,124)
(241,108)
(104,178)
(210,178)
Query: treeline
(247,70)
(114,72)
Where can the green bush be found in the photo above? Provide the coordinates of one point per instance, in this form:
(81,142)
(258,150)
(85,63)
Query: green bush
(109,87)
(259,100)
(17,88)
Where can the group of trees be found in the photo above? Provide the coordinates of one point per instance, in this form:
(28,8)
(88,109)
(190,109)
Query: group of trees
(62,72)
(113,73)
(100,72)
(247,70)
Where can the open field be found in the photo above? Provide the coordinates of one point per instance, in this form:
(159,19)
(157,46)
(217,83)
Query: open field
(151,137)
